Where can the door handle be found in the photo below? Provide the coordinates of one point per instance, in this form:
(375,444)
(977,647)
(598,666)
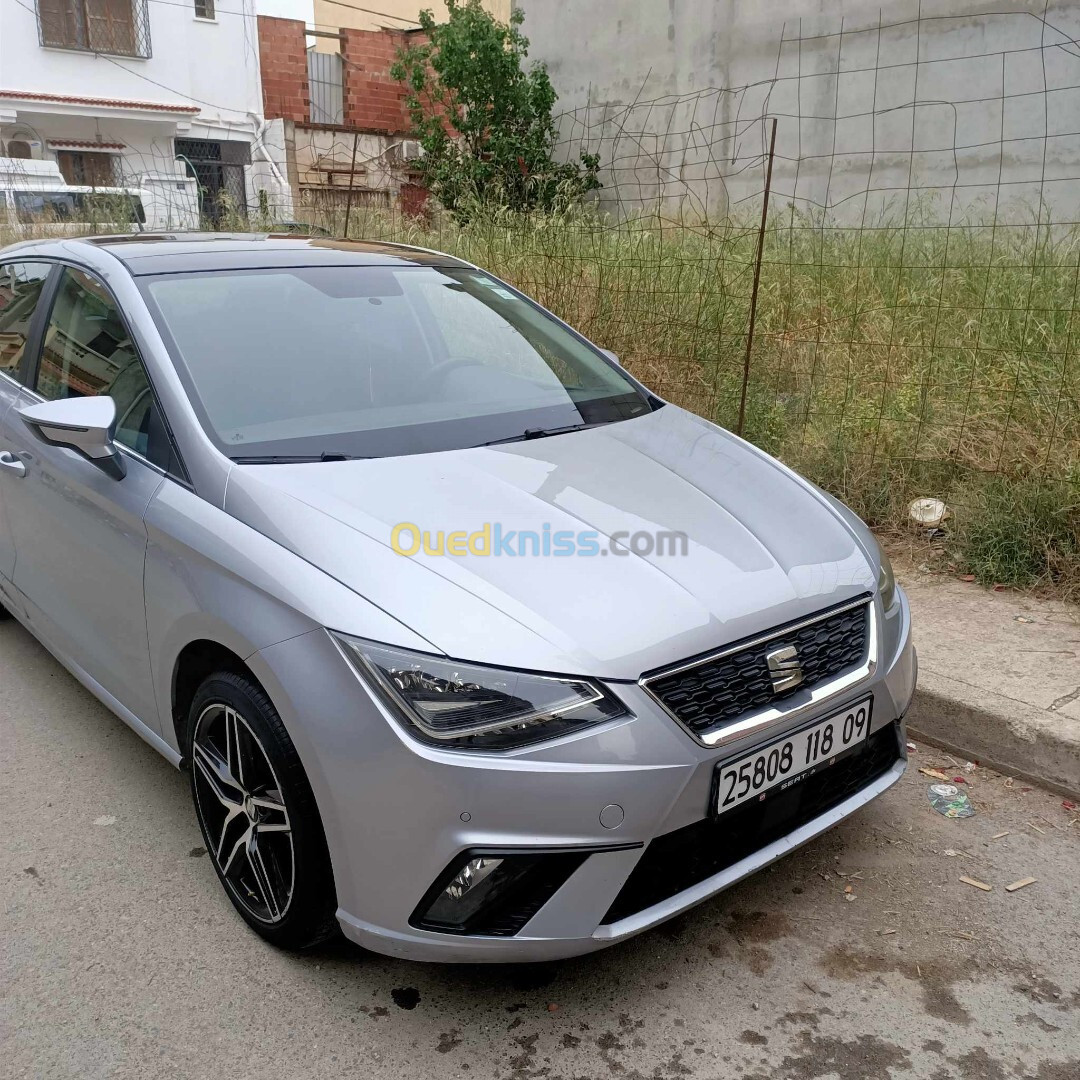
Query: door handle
(11,463)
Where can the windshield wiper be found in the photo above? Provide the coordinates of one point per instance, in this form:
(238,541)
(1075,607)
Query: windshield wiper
(290,459)
(543,433)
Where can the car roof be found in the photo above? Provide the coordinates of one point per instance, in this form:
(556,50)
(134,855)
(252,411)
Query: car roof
(180,252)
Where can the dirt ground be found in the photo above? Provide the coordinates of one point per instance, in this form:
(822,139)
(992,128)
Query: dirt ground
(862,955)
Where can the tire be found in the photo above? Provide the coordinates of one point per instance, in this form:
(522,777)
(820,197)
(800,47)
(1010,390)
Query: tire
(258,815)
(4,613)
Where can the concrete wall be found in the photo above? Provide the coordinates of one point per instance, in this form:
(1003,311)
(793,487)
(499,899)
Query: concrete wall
(975,107)
(324,158)
(269,171)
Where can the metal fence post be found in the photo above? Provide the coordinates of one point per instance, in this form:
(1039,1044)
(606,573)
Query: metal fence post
(757,279)
(352,177)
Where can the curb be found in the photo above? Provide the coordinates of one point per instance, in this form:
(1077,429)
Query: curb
(1007,735)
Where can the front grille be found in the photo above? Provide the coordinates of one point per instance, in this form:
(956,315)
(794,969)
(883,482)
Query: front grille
(720,690)
(678,860)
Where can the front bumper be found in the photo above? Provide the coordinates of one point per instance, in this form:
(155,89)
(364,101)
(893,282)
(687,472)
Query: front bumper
(398,813)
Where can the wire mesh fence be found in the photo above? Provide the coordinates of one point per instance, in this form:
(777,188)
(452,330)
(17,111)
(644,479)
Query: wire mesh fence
(916,325)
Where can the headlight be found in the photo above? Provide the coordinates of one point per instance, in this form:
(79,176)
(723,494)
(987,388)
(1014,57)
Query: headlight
(472,707)
(886,582)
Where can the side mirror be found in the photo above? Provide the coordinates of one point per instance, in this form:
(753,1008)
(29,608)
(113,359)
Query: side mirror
(613,357)
(83,424)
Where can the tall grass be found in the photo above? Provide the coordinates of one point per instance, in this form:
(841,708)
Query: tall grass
(891,362)
(902,360)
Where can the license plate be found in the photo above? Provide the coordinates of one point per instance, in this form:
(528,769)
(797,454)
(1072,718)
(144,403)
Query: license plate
(792,759)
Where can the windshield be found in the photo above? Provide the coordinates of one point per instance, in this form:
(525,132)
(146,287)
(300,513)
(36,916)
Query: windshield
(372,361)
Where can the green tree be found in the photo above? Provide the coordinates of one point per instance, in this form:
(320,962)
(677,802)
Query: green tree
(484,121)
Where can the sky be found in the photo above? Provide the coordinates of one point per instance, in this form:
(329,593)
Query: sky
(287,9)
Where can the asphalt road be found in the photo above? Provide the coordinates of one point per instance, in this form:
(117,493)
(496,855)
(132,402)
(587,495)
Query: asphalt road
(120,956)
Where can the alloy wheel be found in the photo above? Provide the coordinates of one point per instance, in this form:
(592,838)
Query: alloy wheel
(243,813)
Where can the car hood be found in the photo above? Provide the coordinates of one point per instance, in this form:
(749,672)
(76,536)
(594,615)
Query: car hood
(763,546)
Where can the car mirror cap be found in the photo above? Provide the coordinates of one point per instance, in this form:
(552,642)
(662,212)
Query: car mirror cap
(86,425)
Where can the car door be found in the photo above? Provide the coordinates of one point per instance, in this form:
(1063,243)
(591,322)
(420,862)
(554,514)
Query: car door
(21,287)
(80,541)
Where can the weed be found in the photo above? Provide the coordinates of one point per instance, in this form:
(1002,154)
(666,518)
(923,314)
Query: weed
(892,361)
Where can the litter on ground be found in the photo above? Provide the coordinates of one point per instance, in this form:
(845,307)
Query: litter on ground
(949,801)
(937,774)
(1022,883)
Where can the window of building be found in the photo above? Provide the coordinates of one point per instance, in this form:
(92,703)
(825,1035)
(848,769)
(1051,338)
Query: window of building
(90,167)
(120,27)
(204,9)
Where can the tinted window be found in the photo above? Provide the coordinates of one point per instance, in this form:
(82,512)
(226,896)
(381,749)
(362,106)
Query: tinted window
(106,207)
(87,351)
(373,361)
(45,205)
(20,288)
(82,206)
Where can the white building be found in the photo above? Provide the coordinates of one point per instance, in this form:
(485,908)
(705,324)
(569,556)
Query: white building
(133,92)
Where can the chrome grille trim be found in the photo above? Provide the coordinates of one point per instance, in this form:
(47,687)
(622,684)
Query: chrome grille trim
(772,716)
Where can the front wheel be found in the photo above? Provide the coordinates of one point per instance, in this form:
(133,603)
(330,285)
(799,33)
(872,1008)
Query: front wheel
(258,815)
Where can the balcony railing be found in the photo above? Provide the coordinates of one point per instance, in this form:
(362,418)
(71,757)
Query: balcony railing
(118,27)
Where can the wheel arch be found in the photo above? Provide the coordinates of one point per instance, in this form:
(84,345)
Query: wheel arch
(233,679)
(195,662)
(195,647)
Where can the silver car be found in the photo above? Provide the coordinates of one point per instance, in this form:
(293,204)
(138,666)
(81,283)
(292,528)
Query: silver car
(472,645)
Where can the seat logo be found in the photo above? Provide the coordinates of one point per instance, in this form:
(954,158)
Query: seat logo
(784,668)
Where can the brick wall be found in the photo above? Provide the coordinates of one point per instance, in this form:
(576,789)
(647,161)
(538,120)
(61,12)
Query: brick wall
(373,101)
(283,61)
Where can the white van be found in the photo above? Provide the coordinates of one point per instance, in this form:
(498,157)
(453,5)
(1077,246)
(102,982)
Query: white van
(34,199)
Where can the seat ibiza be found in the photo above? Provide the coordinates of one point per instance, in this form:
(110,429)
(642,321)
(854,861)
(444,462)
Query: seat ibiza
(471,645)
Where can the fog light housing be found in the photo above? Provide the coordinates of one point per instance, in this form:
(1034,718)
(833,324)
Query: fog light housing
(493,894)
